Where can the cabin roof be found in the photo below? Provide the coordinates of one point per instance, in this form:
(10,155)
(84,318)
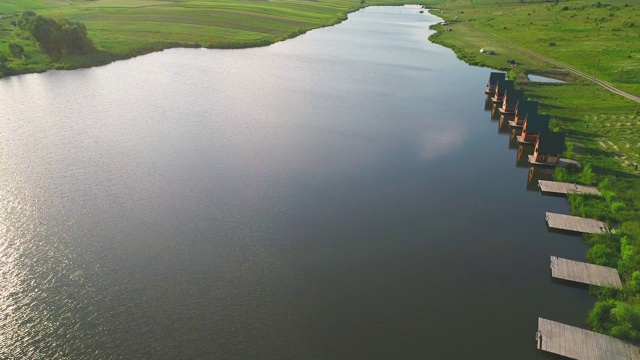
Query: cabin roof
(495,76)
(513,96)
(525,107)
(537,123)
(551,142)
(503,85)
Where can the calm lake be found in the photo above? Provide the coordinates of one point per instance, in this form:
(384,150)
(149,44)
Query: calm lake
(340,195)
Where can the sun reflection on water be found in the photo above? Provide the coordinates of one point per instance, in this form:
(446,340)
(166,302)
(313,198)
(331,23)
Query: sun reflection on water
(32,267)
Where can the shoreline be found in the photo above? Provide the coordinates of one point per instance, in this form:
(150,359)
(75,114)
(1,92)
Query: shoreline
(103,57)
(599,123)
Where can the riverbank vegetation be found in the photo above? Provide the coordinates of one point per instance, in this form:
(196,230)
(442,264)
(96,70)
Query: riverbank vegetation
(53,36)
(602,39)
(120,29)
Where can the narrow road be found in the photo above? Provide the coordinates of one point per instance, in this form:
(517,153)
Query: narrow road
(604,84)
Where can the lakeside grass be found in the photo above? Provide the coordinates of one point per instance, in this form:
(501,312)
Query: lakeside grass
(601,40)
(126,28)
(603,129)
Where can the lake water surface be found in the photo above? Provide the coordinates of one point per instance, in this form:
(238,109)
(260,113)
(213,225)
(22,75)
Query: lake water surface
(340,195)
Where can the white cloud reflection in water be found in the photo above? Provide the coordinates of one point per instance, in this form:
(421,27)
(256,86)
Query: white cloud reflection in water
(440,139)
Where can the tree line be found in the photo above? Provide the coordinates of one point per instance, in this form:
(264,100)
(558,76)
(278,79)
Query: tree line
(56,35)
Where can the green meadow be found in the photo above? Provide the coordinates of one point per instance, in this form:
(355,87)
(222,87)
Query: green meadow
(599,38)
(126,28)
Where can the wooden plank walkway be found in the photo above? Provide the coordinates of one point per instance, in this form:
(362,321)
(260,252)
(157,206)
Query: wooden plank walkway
(581,344)
(562,162)
(575,223)
(520,139)
(513,124)
(566,188)
(584,273)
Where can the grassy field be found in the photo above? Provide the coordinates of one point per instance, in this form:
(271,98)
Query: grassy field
(125,28)
(601,39)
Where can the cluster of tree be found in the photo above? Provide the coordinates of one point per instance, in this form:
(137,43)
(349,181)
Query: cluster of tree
(16,50)
(54,36)
(3,64)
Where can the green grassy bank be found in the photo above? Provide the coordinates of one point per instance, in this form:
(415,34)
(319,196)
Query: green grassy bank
(602,39)
(122,29)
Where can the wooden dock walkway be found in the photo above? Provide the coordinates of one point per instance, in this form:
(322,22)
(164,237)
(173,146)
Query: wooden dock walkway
(566,188)
(581,344)
(575,223)
(585,273)
(520,139)
(513,124)
(562,162)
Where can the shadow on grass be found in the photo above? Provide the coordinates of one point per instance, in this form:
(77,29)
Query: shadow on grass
(544,105)
(564,118)
(594,152)
(540,96)
(582,134)
(618,174)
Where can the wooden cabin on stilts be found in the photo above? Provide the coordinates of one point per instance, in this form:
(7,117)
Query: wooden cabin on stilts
(501,88)
(523,107)
(510,101)
(533,125)
(493,82)
(549,147)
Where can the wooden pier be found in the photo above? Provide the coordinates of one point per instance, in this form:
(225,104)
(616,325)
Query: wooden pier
(566,188)
(585,273)
(520,139)
(574,223)
(561,162)
(581,344)
(513,124)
